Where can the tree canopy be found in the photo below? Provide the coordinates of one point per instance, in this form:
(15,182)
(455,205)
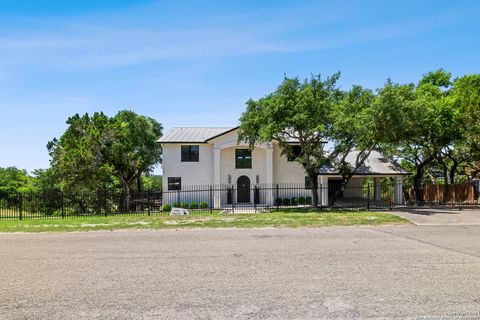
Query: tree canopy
(96,149)
(314,114)
(429,127)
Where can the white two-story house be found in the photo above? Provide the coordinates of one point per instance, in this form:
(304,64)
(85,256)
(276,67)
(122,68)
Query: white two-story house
(212,158)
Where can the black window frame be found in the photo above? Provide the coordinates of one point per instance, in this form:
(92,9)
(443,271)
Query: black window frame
(297,151)
(187,155)
(174,183)
(243,162)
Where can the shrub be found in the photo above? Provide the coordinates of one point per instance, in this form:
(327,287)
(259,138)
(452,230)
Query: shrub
(308,200)
(203,205)
(278,201)
(176,204)
(193,205)
(286,201)
(184,205)
(294,201)
(301,200)
(166,207)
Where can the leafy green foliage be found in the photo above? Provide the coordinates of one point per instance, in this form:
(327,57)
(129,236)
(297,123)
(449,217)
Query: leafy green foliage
(96,150)
(297,111)
(13,180)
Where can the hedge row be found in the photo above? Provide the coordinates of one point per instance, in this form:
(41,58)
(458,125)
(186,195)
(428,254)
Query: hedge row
(293,201)
(185,205)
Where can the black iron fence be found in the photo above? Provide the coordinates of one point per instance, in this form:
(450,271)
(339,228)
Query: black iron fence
(235,199)
(39,205)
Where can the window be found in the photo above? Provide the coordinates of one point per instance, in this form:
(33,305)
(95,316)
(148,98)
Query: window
(297,151)
(243,159)
(190,153)
(308,183)
(174,183)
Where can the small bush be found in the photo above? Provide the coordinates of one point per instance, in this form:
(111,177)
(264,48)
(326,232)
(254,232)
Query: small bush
(308,200)
(286,202)
(184,205)
(278,201)
(294,201)
(166,207)
(176,204)
(203,205)
(193,205)
(301,200)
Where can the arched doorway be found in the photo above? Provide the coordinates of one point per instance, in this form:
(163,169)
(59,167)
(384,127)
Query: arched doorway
(243,189)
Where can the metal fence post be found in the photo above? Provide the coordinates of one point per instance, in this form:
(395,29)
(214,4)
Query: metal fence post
(63,206)
(277,199)
(233,200)
(211,199)
(20,212)
(148,202)
(255,199)
(368,196)
(105,201)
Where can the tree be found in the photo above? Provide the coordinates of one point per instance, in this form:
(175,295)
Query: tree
(14,180)
(94,149)
(352,132)
(299,112)
(419,123)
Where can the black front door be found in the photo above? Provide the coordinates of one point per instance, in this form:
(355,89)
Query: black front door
(243,189)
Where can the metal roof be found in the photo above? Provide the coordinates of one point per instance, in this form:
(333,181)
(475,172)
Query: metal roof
(376,164)
(193,134)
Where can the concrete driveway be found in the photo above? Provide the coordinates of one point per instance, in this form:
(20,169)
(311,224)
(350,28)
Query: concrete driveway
(397,272)
(440,217)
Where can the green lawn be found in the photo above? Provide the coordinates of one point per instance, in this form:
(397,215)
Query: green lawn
(205,220)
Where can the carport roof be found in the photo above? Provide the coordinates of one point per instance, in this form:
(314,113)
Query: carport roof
(376,164)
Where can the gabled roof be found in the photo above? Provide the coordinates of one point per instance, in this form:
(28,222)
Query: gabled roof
(193,134)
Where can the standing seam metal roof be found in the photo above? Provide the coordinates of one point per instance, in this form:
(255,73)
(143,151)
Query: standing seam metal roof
(192,134)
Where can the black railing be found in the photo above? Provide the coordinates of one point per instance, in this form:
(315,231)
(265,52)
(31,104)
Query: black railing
(231,199)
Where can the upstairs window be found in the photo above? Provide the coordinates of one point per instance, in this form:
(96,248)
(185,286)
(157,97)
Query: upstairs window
(174,183)
(190,153)
(243,159)
(297,151)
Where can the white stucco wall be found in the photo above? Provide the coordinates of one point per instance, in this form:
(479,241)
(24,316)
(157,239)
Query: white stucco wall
(227,166)
(192,173)
(290,175)
(285,171)
(354,188)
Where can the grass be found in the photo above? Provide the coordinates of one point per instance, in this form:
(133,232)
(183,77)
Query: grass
(205,220)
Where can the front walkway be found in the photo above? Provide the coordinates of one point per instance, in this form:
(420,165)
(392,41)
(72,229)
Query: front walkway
(440,216)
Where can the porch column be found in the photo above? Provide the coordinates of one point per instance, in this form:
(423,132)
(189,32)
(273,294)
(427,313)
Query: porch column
(269,175)
(216,177)
(378,189)
(398,190)
(323,185)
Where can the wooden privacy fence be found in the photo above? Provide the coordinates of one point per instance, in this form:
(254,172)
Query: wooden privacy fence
(457,193)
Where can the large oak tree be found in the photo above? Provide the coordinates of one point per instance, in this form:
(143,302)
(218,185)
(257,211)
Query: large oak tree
(96,148)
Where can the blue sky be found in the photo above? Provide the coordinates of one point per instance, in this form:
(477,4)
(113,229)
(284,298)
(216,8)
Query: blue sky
(196,63)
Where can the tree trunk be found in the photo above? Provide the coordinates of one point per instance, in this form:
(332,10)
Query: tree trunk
(125,199)
(446,185)
(139,184)
(417,183)
(314,188)
(451,180)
